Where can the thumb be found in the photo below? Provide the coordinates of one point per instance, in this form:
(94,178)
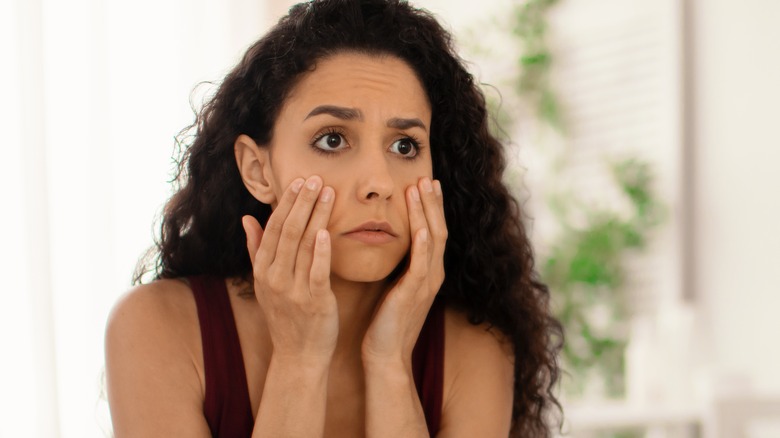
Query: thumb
(254,234)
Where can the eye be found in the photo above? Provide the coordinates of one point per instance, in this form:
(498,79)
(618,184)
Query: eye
(407,147)
(330,141)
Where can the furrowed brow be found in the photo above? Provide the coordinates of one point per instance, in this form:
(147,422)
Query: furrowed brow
(398,123)
(338,112)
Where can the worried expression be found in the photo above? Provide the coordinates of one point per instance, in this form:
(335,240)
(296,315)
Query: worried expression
(361,123)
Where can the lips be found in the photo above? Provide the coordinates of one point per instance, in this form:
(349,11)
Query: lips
(372,233)
(374,227)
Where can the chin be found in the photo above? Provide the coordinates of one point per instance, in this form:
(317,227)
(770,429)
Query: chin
(366,269)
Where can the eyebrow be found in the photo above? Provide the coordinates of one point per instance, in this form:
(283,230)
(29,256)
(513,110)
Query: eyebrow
(398,123)
(339,112)
(345,113)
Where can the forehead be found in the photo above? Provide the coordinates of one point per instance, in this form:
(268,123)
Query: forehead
(382,84)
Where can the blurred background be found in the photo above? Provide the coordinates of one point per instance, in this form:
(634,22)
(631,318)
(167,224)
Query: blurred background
(642,138)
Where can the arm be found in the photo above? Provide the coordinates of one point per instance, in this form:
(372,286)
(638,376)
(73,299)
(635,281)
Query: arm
(154,382)
(154,386)
(478,381)
(392,405)
(479,363)
(478,388)
(152,345)
(291,265)
(298,392)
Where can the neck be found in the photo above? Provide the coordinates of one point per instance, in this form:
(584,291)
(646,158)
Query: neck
(357,303)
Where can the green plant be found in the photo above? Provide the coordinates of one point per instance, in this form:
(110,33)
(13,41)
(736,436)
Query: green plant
(584,269)
(584,264)
(533,84)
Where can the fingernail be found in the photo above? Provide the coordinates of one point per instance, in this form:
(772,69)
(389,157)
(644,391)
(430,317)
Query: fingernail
(296,185)
(322,236)
(326,195)
(426,185)
(313,183)
(415,194)
(437,187)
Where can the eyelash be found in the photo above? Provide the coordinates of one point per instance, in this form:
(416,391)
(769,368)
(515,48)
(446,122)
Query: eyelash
(330,131)
(323,134)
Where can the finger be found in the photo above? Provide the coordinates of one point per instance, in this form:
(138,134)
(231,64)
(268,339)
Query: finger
(295,224)
(418,264)
(273,228)
(254,234)
(318,221)
(417,220)
(319,274)
(433,206)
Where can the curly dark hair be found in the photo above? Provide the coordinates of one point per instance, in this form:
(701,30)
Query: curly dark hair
(488,261)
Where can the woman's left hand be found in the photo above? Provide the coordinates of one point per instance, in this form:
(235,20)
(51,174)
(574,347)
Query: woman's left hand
(393,332)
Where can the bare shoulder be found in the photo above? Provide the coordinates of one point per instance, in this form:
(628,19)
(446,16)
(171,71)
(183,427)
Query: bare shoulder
(471,348)
(152,361)
(163,303)
(161,314)
(478,379)
(466,342)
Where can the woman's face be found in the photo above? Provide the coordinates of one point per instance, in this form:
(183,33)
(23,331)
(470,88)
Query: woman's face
(361,123)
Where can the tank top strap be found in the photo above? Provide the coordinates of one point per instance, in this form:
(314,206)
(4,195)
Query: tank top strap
(226,404)
(428,365)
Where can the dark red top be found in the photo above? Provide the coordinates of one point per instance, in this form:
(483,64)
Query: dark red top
(227,407)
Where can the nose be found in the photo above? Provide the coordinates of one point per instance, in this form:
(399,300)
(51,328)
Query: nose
(375,179)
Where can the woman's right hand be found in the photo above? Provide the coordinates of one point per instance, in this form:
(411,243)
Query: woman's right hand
(291,269)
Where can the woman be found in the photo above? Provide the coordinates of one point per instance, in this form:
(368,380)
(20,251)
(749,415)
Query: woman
(339,172)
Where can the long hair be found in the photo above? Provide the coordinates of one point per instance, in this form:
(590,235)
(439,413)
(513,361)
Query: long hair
(488,261)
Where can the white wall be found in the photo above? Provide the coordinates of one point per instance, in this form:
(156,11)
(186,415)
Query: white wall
(94,91)
(736,89)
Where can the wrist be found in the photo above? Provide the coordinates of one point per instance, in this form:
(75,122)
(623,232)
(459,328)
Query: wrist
(300,364)
(393,407)
(396,368)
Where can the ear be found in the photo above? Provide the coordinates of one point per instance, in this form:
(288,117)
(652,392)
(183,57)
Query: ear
(255,168)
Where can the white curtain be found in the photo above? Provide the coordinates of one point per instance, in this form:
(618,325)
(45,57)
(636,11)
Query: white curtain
(93,93)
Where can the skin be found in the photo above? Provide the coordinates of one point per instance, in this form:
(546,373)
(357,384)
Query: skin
(325,332)
(366,170)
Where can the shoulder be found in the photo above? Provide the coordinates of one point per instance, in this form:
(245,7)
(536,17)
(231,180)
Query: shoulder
(153,353)
(155,317)
(478,379)
(156,312)
(463,335)
(475,350)
(161,295)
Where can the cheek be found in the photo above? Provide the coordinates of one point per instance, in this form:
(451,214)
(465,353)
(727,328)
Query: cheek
(401,208)
(288,167)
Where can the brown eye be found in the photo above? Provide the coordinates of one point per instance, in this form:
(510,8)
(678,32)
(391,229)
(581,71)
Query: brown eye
(330,142)
(405,146)
(333,140)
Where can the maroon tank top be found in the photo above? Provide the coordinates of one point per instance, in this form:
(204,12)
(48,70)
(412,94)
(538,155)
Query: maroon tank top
(226,406)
